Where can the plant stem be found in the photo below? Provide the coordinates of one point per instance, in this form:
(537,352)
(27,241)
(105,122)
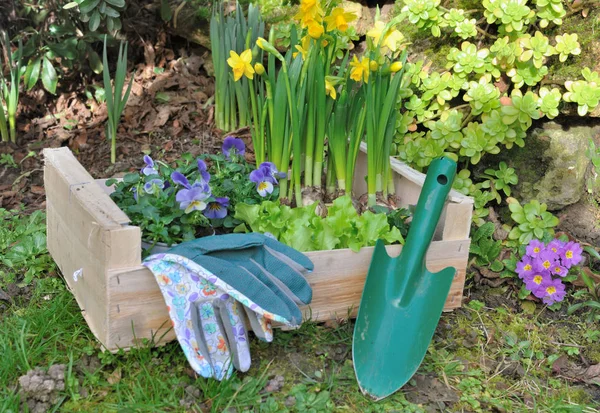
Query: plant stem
(13,128)
(257,139)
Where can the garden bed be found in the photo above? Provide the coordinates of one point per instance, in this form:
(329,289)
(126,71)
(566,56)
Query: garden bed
(99,254)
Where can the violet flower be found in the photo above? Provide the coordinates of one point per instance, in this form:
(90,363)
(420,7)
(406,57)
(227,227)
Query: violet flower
(264,183)
(554,291)
(203,171)
(233,147)
(154,186)
(217,209)
(534,248)
(149,168)
(270,170)
(180,179)
(193,199)
(571,254)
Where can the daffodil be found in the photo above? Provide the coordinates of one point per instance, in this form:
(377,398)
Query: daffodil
(376,32)
(259,68)
(360,69)
(339,19)
(241,64)
(392,40)
(309,10)
(303,47)
(395,67)
(330,90)
(315,29)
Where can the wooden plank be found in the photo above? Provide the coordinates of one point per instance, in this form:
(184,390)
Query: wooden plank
(81,185)
(136,304)
(458,222)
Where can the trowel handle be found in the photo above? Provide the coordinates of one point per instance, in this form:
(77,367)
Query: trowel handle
(438,183)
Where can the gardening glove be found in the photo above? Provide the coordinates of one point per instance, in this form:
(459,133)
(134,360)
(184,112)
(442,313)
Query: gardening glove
(208,316)
(266,271)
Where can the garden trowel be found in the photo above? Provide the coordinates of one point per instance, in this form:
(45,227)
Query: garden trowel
(402,302)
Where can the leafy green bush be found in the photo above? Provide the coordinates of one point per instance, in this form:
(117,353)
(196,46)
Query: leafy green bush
(486,94)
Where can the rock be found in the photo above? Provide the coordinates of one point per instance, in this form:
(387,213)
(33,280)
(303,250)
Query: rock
(552,166)
(41,389)
(581,220)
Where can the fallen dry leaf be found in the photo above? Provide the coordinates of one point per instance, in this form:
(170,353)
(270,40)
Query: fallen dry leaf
(115,376)
(563,367)
(37,190)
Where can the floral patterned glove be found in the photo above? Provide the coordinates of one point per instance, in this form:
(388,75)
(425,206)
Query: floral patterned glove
(209,316)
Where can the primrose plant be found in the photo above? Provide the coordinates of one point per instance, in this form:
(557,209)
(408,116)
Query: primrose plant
(544,267)
(196,196)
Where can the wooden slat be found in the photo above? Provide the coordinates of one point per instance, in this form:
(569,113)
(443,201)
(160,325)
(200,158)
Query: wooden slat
(337,284)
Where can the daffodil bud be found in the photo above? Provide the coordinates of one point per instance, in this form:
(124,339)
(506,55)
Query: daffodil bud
(268,47)
(373,65)
(395,67)
(259,68)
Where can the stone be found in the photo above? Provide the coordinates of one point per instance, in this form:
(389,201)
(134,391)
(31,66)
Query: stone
(553,165)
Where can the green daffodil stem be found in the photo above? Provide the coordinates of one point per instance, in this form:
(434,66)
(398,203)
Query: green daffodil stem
(3,125)
(257,136)
(296,141)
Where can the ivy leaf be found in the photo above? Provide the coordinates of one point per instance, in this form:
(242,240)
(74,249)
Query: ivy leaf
(49,77)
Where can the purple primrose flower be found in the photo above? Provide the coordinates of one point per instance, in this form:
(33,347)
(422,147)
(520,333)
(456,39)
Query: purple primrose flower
(153,186)
(556,246)
(534,248)
(571,254)
(217,209)
(553,290)
(546,260)
(193,199)
(525,267)
(534,283)
(149,168)
(233,147)
(264,183)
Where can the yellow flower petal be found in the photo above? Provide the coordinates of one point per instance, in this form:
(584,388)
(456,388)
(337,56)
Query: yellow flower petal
(330,90)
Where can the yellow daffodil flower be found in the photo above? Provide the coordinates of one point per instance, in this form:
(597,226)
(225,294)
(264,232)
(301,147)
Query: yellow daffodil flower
(376,32)
(392,40)
(395,67)
(360,69)
(330,90)
(339,19)
(309,10)
(259,68)
(315,30)
(241,64)
(373,65)
(303,48)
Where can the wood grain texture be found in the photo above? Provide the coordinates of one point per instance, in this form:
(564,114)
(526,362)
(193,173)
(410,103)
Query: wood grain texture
(137,309)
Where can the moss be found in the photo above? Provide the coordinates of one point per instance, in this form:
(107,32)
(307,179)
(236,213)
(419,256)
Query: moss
(587,34)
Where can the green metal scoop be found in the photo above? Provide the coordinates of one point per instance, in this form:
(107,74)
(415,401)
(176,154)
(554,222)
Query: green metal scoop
(402,302)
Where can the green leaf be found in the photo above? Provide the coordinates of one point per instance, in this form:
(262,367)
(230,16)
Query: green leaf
(528,307)
(523,292)
(94,60)
(131,178)
(49,77)
(116,3)
(32,74)
(497,266)
(247,213)
(88,5)
(110,12)
(70,5)
(165,11)
(94,21)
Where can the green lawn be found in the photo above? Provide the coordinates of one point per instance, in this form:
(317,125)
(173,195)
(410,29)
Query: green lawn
(484,356)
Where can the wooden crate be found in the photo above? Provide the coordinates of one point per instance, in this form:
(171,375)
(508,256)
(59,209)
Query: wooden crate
(99,254)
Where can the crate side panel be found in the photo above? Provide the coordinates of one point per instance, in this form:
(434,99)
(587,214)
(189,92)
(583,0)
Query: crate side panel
(458,221)
(136,309)
(136,303)
(73,256)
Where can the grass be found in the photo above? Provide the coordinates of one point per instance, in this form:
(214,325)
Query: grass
(482,358)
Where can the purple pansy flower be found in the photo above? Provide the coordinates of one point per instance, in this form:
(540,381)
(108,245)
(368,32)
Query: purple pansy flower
(546,260)
(534,248)
(535,281)
(233,147)
(153,186)
(193,199)
(270,170)
(264,183)
(203,171)
(217,209)
(525,267)
(135,194)
(554,291)
(180,179)
(571,254)
(149,168)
